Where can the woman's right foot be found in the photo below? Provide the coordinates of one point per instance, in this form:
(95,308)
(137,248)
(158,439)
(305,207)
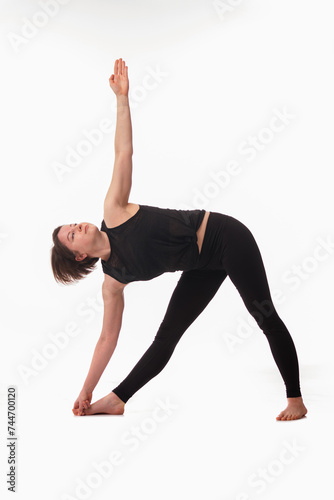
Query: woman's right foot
(110,404)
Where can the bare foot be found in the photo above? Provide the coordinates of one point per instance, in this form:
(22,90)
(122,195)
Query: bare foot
(295,410)
(110,404)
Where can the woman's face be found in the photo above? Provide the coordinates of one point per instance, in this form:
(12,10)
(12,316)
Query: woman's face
(79,238)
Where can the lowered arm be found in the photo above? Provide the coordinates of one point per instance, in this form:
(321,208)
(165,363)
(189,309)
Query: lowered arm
(112,321)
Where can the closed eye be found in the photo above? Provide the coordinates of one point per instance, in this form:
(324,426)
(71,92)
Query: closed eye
(73,233)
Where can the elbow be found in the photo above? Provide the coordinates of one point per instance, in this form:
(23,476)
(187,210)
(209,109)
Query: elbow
(109,338)
(124,151)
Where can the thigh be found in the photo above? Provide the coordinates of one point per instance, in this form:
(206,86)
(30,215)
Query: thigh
(244,265)
(192,294)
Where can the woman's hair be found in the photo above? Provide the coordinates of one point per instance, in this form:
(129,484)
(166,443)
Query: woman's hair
(65,268)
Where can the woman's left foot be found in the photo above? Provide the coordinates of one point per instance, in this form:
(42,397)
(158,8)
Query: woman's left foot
(110,404)
(295,410)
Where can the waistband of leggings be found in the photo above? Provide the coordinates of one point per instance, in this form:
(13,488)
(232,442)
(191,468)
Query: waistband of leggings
(213,236)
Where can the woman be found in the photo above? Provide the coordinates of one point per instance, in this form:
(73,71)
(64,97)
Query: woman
(138,242)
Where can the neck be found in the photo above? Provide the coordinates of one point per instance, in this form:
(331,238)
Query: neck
(101,248)
(104,250)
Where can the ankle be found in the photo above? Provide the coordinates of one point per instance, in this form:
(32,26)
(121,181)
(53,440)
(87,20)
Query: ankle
(117,399)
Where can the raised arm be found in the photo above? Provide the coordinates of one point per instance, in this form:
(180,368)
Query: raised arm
(120,186)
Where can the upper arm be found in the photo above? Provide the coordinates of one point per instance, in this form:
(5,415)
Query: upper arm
(120,186)
(113,299)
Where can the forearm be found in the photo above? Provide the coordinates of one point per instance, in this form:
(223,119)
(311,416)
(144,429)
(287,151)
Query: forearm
(123,133)
(103,351)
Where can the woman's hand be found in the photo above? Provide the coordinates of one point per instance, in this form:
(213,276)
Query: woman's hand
(82,403)
(119,81)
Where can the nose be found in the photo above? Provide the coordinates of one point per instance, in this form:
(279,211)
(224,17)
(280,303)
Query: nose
(79,227)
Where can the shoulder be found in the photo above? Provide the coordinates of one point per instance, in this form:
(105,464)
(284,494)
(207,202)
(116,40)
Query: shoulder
(110,286)
(114,214)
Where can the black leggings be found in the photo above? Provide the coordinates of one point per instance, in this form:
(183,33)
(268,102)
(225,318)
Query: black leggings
(229,249)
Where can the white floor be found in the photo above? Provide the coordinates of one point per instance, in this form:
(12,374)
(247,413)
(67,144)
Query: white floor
(179,441)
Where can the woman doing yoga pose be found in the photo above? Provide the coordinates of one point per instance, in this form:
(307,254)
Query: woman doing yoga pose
(140,242)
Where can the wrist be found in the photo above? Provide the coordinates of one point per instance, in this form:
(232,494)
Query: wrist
(87,388)
(122,98)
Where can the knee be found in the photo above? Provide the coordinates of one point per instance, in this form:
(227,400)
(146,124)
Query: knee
(265,314)
(168,335)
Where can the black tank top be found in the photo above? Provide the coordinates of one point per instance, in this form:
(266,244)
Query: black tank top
(152,242)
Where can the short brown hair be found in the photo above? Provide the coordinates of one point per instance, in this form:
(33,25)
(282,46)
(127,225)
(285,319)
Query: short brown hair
(65,268)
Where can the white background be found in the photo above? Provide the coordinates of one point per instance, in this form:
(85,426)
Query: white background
(222,70)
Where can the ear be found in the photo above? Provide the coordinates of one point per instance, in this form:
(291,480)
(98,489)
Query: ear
(81,257)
